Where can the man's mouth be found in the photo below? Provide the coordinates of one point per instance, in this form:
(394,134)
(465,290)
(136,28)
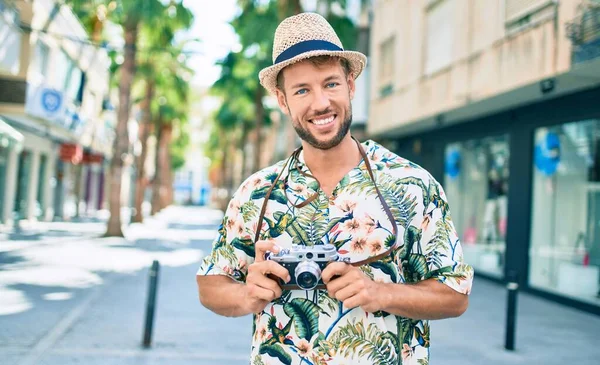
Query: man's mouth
(323,121)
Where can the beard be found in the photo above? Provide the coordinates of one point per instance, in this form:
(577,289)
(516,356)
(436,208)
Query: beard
(310,138)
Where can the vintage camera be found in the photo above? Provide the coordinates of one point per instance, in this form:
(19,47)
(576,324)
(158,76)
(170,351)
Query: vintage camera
(305,263)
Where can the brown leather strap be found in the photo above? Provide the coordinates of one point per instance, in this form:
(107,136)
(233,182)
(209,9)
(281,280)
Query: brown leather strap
(264,206)
(386,208)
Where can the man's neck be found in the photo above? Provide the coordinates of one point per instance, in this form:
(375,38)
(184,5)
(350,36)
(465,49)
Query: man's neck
(334,161)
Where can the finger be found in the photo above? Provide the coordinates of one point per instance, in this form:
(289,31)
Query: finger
(265,283)
(345,293)
(272,267)
(334,269)
(337,283)
(261,293)
(262,247)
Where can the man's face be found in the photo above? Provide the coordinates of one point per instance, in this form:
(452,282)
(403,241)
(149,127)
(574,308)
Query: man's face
(317,99)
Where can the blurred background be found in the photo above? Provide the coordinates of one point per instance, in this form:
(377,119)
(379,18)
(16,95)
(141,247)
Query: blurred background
(126,126)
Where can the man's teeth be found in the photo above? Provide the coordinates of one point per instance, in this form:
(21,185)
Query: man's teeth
(324,121)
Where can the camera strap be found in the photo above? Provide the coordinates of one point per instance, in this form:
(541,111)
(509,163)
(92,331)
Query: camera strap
(386,208)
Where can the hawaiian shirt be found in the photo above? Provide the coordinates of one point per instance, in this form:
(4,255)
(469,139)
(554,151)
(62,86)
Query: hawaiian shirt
(310,327)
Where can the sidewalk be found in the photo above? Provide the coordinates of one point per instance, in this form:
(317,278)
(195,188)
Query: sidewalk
(83,302)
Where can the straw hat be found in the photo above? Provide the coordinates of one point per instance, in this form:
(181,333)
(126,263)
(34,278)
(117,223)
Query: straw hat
(302,36)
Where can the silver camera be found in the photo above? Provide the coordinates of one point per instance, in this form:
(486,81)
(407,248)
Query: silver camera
(305,264)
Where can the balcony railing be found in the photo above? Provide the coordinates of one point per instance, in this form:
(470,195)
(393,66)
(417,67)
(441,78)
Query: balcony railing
(584,33)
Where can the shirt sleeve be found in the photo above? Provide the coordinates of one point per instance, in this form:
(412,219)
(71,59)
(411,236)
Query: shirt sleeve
(441,251)
(233,248)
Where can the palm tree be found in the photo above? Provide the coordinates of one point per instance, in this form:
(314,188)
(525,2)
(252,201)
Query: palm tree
(130,15)
(156,35)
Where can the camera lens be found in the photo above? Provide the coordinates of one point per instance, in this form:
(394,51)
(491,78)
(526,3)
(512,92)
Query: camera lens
(306,280)
(307,275)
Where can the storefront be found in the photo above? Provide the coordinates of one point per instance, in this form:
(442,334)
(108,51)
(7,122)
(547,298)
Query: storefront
(524,192)
(10,141)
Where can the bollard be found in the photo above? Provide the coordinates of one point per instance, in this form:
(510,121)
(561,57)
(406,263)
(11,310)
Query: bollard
(151,303)
(511,310)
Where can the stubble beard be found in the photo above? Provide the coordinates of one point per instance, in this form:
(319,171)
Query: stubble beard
(309,138)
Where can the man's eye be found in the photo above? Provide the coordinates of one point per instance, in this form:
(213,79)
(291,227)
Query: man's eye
(332,84)
(301,92)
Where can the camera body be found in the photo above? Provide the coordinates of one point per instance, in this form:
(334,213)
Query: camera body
(305,264)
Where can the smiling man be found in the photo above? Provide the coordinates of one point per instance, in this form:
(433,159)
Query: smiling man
(392,259)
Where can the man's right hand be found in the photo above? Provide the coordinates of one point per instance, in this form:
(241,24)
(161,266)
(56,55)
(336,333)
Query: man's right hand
(260,289)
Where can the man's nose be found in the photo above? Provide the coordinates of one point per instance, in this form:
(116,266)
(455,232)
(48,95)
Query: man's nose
(321,101)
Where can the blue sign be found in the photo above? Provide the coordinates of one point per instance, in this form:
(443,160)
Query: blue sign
(547,154)
(453,163)
(51,100)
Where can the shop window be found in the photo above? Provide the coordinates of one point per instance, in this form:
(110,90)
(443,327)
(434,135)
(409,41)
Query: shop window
(565,230)
(476,184)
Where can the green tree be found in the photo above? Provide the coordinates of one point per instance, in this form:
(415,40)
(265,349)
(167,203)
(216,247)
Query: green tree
(155,68)
(130,15)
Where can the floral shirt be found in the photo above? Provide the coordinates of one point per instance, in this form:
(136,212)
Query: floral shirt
(310,327)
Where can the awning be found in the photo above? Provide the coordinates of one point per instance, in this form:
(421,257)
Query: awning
(10,134)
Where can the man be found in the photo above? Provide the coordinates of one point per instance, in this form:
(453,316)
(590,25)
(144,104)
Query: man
(401,261)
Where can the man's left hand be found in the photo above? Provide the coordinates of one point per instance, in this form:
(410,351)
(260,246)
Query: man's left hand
(351,286)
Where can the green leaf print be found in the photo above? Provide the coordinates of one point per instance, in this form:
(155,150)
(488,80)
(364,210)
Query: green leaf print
(259,193)
(416,268)
(275,350)
(387,267)
(344,182)
(412,236)
(249,211)
(305,315)
(278,196)
(244,244)
(295,230)
(257,361)
(313,185)
(390,241)
(394,191)
(356,340)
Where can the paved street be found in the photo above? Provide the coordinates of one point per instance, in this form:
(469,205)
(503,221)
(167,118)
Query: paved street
(75,299)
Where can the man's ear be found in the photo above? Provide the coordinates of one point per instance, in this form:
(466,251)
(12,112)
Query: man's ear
(351,85)
(281,100)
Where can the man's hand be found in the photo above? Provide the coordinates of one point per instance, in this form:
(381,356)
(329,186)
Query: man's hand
(351,286)
(260,289)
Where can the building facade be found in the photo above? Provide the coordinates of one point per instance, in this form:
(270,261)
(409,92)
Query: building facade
(53,96)
(500,101)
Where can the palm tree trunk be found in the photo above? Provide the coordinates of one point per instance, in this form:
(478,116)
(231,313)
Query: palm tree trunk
(121,142)
(144,131)
(157,176)
(165,168)
(160,179)
(260,117)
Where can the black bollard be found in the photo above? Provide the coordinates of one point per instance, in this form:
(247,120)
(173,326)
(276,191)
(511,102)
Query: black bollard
(512,287)
(151,303)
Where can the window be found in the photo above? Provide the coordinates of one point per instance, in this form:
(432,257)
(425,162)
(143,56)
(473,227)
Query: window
(520,14)
(10,46)
(42,55)
(476,184)
(439,41)
(386,67)
(565,228)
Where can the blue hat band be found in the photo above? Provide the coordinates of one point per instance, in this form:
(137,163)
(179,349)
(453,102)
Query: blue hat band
(306,46)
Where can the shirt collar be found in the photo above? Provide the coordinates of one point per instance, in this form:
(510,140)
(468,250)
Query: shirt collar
(369,146)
